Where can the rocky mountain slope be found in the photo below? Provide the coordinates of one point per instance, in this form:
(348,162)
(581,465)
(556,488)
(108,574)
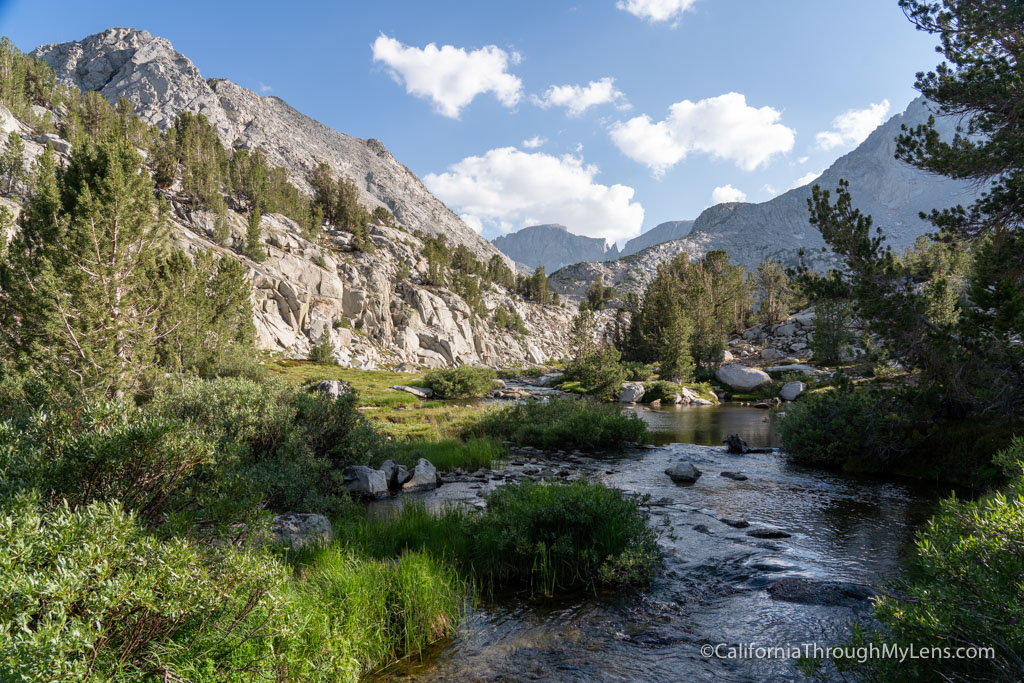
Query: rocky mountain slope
(891,191)
(377,306)
(553,246)
(663,232)
(161,83)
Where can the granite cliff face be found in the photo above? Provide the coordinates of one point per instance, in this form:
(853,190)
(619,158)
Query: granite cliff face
(378,308)
(553,246)
(663,232)
(889,190)
(161,83)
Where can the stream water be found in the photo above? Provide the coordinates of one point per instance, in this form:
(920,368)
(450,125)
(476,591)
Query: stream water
(714,585)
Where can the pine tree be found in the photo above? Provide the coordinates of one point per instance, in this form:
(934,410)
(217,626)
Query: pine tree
(775,290)
(254,237)
(81,296)
(12,162)
(221,230)
(323,351)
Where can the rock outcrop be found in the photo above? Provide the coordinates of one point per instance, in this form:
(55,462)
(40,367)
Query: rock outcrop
(160,82)
(553,246)
(377,306)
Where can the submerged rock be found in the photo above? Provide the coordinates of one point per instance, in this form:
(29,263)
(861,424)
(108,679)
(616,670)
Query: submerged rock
(683,473)
(811,592)
(769,534)
(735,523)
(735,476)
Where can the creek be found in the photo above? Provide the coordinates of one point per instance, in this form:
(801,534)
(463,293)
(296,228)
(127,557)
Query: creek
(845,536)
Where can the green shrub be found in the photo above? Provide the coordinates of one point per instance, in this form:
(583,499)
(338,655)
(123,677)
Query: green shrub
(846,428)
(465,381)
(963,589)
(563,424)
(87,595)
(637,371)
(660,390)
(549,537)
(600,373)
(561,536)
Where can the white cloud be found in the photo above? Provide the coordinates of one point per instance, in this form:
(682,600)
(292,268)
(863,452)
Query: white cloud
(449,76)
(850,128)
(727,193)
(578,98)
(655,10)
(507,189)
(264,88)
(724,127)
(802,160)
(769,189)
(805,179)
(534,142)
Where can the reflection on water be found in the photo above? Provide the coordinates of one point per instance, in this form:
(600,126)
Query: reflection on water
(713,586)
(708,425)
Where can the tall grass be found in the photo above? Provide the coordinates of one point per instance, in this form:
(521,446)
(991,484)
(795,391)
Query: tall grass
(563,424)
(471,454)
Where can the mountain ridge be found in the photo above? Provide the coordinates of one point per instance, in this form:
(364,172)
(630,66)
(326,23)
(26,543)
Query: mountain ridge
(552,245)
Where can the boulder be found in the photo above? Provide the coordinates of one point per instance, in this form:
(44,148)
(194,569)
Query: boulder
(735,444)
(298,530)
(394,474)
(741,377)
(421,392)
(772,354)
(797,367)
(683,473)
(790,390)
(424,477)
(334,388)
(631,392)
(365,482)
(727,356)
(786,330)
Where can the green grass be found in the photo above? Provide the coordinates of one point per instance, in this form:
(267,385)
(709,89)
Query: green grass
(449,454)
(547,537)
(563,424)
(397,414)
(364,613)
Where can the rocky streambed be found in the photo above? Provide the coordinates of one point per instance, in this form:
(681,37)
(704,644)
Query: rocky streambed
(756,552)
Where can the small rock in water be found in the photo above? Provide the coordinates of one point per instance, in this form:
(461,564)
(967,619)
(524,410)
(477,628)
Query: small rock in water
(683,473)
(735,523)
(768,534)
(810,592)
(735,476)
(701,528)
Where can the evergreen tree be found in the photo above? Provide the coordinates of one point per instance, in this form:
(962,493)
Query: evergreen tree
(12,161)
(6,224)
(221,230)
(80,290)
(206,323)
(254,237)
(323,351)
(775,292)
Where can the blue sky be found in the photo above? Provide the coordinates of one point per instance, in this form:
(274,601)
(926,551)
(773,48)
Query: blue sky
(723,100)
